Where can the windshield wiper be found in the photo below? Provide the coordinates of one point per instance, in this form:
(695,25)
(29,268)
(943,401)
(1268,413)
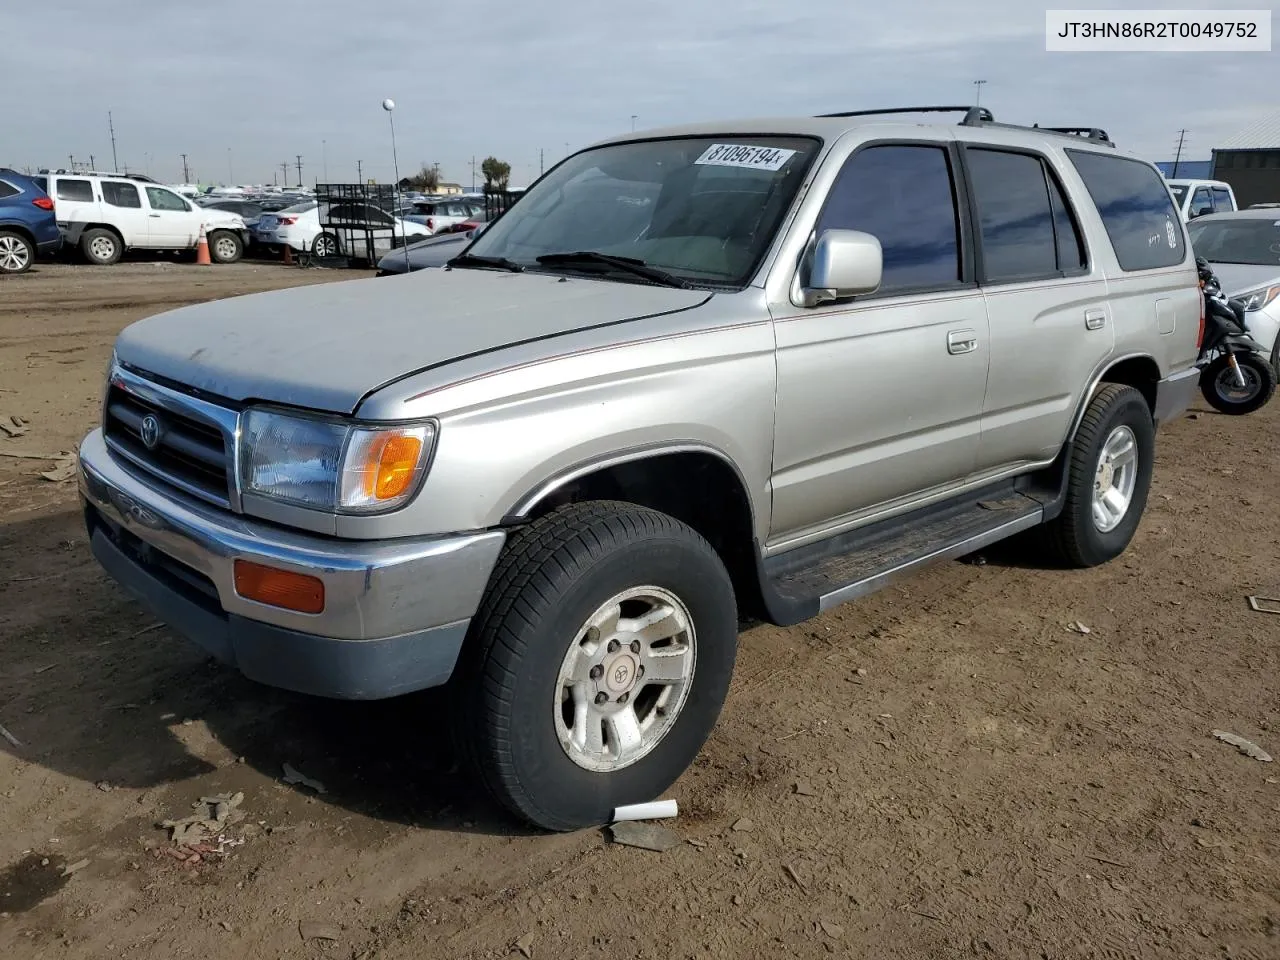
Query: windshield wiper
(626,264)
(473,260)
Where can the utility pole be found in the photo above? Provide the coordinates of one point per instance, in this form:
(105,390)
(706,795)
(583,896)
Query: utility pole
(299,157)
(71,158)
(186,172)
(231,173)
(359,171)
(92,164)
(977,85)
(324,159)
(1182,137)
(633,122)
(473,173)
(541,165)
(284,173)
(115,161)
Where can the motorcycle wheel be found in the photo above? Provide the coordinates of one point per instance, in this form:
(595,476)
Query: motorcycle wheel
(1218,384)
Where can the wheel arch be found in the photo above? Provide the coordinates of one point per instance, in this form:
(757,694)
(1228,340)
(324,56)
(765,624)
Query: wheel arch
(21,229)
(693,482)
(1138,370)
(110,228)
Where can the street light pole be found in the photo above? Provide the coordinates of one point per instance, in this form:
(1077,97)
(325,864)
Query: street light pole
(390,105)
(977,85)
(634,116)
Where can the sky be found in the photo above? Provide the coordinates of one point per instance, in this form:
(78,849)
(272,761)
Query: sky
(241,86)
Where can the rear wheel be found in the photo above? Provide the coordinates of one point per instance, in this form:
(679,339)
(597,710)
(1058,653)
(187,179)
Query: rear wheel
(1224,394)
(17,253)
(325,245)
(225,247)
(1108,478)
(597,664)
(101,247)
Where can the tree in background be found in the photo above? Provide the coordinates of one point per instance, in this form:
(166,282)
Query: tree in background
(497,174)
(427,179)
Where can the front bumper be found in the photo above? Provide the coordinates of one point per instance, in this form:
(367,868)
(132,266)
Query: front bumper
(1174,394)
(396,611)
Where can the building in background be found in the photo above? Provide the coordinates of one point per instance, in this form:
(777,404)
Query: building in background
(1187,169)
(1250,162)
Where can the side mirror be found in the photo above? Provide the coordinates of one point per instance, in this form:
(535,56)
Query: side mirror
(845,263)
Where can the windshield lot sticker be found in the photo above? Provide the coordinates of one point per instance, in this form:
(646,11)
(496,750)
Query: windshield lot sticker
(744,155)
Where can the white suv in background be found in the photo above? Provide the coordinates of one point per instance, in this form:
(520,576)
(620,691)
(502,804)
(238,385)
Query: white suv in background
(1195,198)
(105,215)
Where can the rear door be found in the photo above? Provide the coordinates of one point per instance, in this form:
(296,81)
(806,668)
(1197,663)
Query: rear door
(175,223)
(74,199)
(1046,303)
(122,207)
(1201,203)
(1223,201)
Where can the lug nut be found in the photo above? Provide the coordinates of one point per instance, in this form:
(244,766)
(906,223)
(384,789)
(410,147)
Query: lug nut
(613,646)
(602,697)
(635,646)
(597,672)
(640,672)
(624,698)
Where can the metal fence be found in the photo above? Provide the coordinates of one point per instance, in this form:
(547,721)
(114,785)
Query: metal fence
(361,220)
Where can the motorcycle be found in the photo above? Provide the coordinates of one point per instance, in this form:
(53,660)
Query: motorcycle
(1235,375)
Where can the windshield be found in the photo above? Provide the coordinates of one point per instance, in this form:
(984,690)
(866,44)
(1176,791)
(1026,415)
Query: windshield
(1179,192)
(300,207)
(703,210)
(1251,240)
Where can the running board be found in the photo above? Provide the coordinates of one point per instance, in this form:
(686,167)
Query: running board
(802,583)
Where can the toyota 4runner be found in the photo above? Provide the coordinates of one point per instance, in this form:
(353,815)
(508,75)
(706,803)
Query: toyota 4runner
(751,368)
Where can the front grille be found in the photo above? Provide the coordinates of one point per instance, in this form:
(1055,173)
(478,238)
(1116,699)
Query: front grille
(190,454)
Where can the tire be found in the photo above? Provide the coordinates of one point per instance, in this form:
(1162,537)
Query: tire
(511,722)
(1218,384)
(324,245)
(17,253)
(225,246)
(101,247)
(1076,538)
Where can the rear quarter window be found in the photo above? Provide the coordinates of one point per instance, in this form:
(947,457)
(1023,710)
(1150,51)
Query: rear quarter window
(75,190)
(1131,197)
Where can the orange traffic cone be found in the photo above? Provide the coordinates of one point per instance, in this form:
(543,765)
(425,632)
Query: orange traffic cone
(202,249)
(287,256)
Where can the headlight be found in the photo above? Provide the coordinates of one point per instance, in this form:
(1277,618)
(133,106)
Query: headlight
(331,465)
(1257,299)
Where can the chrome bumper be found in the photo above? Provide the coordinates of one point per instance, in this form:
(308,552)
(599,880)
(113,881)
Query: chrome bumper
(375,591)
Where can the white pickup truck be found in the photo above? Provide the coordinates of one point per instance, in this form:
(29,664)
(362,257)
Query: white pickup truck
(104,216)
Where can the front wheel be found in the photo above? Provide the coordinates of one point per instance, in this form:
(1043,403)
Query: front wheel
(324,246)
(225,247)
(1224,394)
(597,664)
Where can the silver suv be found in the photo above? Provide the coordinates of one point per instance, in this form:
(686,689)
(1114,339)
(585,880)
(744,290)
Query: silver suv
(750,368)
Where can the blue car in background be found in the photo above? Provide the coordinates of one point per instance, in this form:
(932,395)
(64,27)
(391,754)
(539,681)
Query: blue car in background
(28,225)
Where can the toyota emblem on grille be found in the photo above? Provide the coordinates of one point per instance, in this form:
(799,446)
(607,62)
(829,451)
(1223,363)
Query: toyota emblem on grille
(151,431)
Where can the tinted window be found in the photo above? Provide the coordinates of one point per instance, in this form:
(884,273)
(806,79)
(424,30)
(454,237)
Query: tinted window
(1252,240)
(1135,208)
(1072,256)
(1015,219)
(75,190)
(1222,200)
(121,194)
(1179,192)
(905,198)
(1201,202)
(8,190)
(165,200)
(41,182)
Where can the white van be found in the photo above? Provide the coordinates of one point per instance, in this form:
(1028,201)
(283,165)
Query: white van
(104,216)
(1195,198)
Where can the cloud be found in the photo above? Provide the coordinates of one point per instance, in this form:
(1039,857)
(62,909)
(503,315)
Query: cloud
(269,81)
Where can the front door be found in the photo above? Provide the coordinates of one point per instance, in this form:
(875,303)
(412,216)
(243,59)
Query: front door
(879,399)
(175,224)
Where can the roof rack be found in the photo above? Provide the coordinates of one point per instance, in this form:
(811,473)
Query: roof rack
(972,115)
(982,117)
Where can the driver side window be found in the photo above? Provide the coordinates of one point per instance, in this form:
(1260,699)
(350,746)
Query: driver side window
(165,200)
(904,197)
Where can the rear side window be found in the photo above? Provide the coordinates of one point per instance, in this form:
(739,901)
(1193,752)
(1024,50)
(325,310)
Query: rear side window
(41,182)
(75,190)
(1222,200)
(905,198)
(121,194)
(1135,207)
(8,190)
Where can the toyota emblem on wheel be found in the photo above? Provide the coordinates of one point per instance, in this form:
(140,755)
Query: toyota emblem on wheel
(151,431)
(621,674)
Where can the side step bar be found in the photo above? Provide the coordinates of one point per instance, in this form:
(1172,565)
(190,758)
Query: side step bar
(801,583)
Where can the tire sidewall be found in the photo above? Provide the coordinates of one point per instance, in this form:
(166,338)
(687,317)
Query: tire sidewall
(550,778)
(31,253)
(1209,385)
(323,238)
(87,243)
(1097,546)
(213,243)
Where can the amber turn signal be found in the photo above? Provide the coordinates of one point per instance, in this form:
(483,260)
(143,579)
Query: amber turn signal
(397,462)
(279,588)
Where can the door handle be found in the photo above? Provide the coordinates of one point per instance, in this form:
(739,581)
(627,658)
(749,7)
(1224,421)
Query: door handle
(156,215)
(1095,319)
(962,341)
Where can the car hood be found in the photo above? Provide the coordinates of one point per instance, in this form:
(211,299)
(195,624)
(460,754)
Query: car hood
(1238,278)
(224,218)
(435,251)
(327,346)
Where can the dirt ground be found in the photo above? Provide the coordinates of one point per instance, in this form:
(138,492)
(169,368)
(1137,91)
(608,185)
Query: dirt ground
(946,769)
